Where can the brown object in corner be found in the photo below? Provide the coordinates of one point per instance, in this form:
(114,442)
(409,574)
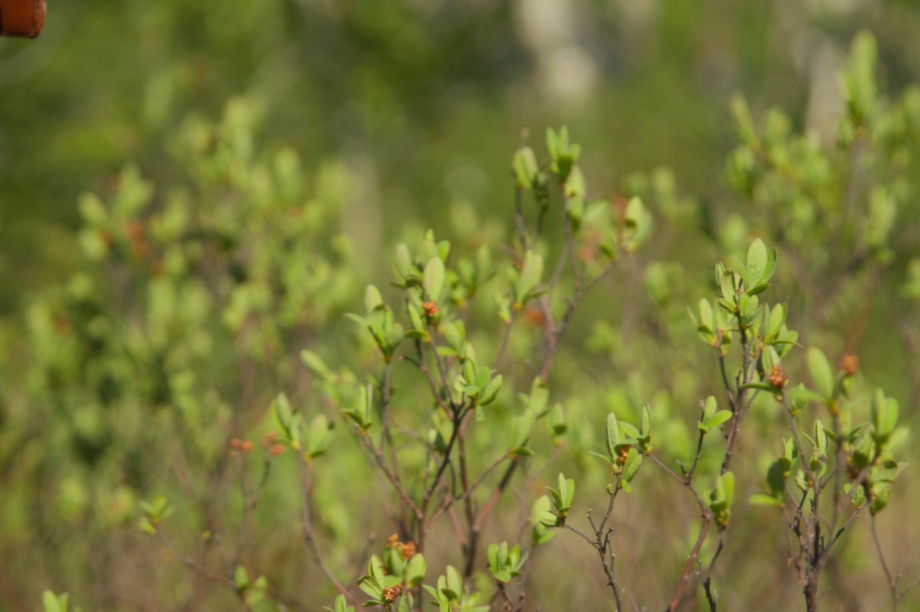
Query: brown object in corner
(22,17)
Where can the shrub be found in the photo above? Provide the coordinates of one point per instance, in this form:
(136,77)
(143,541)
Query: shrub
(489,382)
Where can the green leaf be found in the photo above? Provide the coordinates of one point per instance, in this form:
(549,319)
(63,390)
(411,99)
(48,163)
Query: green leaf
(436,596)
(638,221)
(776,477)
(612,436)
(315,364)
(393,339)
(777,318)
(552,142)
(540,518)
(402,263)
(455,334)
(240,579)
(884,415)
(539,396)
(146,526)
(531,273)
(631,466)
(756,264)
(418,324)
(415,570)
(372,299)
(454,584)
(881,501)
(50,602)
(317,436)
(521,428)
(562,497)
(341,605)
(575,185)
(758,385)
(820,437)
(719,418)
(525,168)
(566,489)
(364,323)
(369,585)
(821,373)
(281,412)
(434,278)
(709,410)
(762,499)
(706,317)
(491,391)
(728,480)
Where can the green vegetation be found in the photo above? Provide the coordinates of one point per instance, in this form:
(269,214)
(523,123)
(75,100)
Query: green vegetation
(245,374)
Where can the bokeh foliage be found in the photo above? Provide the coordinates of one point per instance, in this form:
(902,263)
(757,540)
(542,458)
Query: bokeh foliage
(145,327)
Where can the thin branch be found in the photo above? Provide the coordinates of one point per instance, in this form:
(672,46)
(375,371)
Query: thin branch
(451,500)
(192,564)
(519,219)
(249,504)
(582,535)
(688,566)
(311,540)
(506,336)
(392,477)
(423,366)
(385,397)
(892,580)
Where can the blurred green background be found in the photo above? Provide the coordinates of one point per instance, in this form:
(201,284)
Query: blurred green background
(425,99)
(419,105)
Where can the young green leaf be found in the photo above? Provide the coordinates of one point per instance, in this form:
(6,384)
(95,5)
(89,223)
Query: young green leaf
(530,276)
(612,436)
(756,264)
(372,299)
(316,365)
(415,570)
(821,373)
(281,412)
(434,278)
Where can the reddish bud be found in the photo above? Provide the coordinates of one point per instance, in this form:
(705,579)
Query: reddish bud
(849,364)
(269,438)
(407,550)
(430,309)
(241,445)
(391,593)
(777,379)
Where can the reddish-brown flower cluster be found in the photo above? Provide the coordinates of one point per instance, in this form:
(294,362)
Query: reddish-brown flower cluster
(533,317)
(407,550)
(849,364)
(269,439)
(777,379)
(244,446)
(430,309)
(392,592)
(276,449)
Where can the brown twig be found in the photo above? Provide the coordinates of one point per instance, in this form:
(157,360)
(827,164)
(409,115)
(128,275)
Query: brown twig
(310,538)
